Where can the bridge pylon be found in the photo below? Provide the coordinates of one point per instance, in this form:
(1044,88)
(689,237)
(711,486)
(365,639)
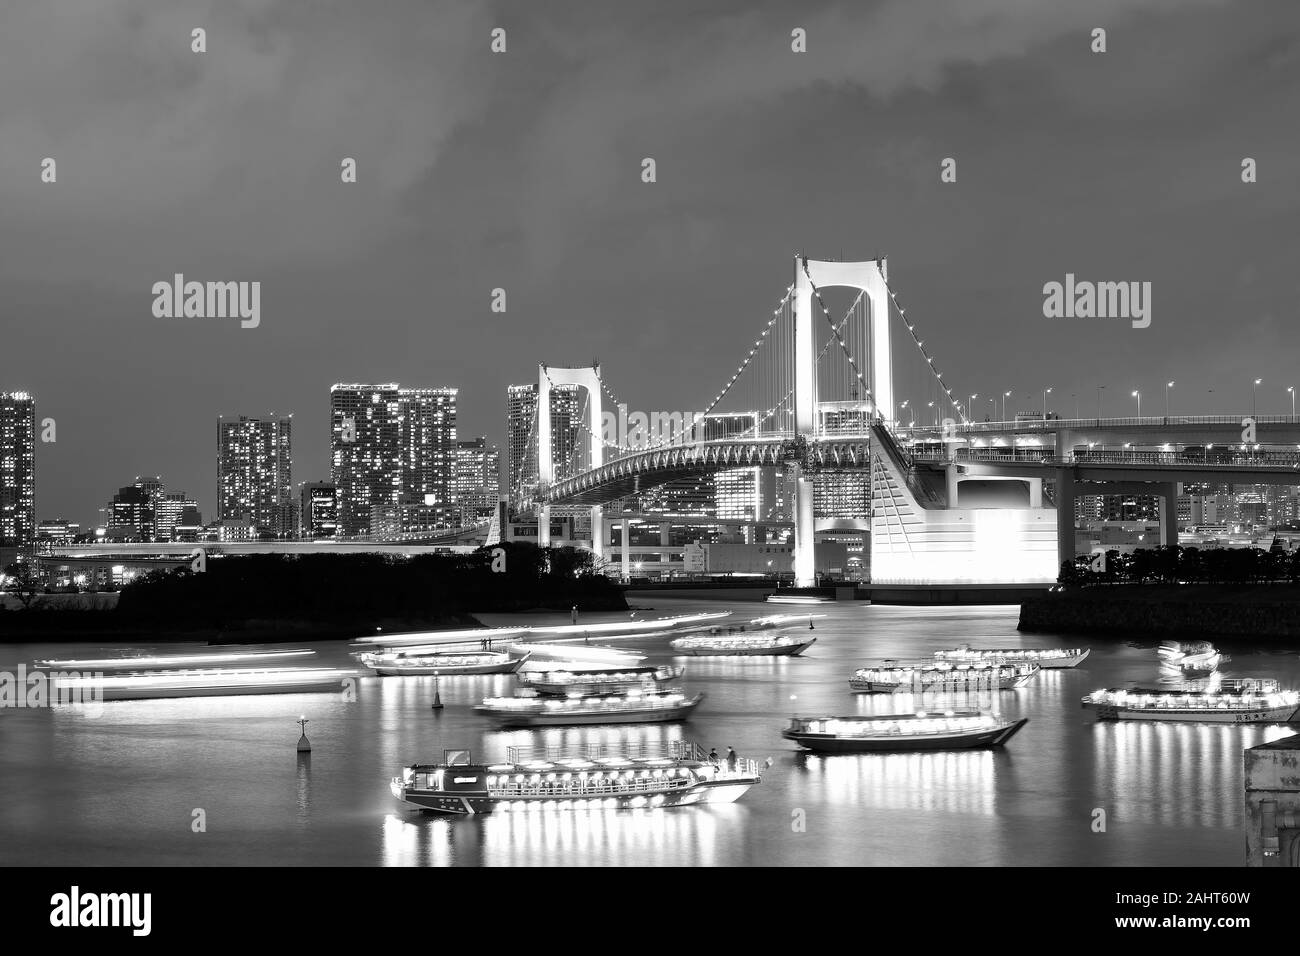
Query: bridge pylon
(586,377)
(870,276)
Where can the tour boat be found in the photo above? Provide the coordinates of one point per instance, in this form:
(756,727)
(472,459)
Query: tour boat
(457,786)
(579,681)
(891,676)
(205,682)
(1234,701)
(142,663)
(1046,657)
(743,645)
(963,730)
(525,710)
(1191,657)
(761,637)
(408,663)
(798,599)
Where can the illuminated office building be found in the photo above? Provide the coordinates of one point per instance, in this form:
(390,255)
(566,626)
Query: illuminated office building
(255,473)
(17,470)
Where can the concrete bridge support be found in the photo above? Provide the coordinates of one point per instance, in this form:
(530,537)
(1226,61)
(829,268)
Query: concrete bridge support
(1066,492)
(627,549)
(1169,512)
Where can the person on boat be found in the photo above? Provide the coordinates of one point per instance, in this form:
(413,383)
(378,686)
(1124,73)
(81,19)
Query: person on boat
(731,760)
(713,756)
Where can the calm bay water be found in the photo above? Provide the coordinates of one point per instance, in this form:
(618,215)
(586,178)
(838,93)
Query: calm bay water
(122,788)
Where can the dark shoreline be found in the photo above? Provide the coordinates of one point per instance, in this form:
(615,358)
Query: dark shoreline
(1168,611)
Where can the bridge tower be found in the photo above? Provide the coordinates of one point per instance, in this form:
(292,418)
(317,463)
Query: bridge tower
(587,377)
(869,276)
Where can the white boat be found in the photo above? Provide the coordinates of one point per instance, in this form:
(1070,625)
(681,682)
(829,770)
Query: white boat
(629,708)
(894,676)
(1045,657)
(901,732)
(798,599)
(1190,657)
(396,663)
(1235,701)
(576,681)
(205,682)
(743,645)
(458,787)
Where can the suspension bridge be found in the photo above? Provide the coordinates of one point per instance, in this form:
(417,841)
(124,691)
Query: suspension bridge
(951,501)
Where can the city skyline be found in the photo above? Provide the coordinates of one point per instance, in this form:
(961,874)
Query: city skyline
(507,164)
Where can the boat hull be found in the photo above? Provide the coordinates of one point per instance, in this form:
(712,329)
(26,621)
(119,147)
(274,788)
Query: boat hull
(443,670)
(663,715)
(109,693)
(870,686)
(1288,714)
(897,743)
(791,650)
(1046,663)
(459,804)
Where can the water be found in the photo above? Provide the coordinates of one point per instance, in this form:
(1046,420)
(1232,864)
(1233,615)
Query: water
(124,787)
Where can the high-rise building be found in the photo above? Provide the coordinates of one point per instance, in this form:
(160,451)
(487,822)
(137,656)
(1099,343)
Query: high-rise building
(427,433)
(389,446)
(365,451)
(255,473)
(736,490)
(17,470)
(521,433)
(477,478)
(131,514)
(173,509)
(320,510)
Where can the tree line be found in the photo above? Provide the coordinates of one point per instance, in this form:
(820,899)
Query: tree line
(1172,564)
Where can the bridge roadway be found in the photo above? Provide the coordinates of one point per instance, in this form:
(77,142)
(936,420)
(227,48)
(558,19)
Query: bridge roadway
(171,553)
(647,469)
(1148,430)
(643,470)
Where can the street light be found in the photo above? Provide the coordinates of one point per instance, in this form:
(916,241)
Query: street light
(1099,388)
(1292,391)
(1138,395)
(936,412)
(1046,392)
(1253,390)
(993,408)
(1005,396)
(1168,386)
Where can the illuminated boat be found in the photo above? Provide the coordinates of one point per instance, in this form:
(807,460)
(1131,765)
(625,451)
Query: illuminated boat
(206,682)
(1235,701)
(761,637)
(457,786)
(579,681)
(966,730)
(752,645)
(891,676)
(798,599)
(146,663)
(1190,657)
(1046,658)
(406,663)
(526,710)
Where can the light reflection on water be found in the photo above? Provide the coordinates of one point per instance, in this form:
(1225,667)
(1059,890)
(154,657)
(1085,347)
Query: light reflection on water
(120,787)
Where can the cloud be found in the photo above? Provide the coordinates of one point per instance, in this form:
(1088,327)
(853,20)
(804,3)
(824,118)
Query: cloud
(630,93)
(232,156)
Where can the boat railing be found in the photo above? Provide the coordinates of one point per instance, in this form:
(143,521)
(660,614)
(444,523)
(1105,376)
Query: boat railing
(588,787)
(674,750)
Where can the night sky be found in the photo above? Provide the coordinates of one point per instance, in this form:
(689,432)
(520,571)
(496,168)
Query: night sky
(522,170)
